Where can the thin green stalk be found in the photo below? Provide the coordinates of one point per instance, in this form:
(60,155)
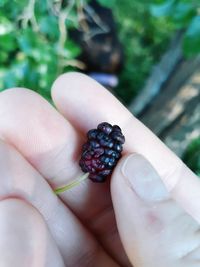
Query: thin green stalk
(71,185)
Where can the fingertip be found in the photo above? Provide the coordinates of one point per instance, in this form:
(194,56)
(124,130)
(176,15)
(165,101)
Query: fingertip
(117,175)
(71,81)
(21,97)
(13,89)
(120,188)
(142,178)
(17,91)
(85,102)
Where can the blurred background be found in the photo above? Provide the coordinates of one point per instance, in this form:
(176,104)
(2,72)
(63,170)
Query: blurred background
(147,53)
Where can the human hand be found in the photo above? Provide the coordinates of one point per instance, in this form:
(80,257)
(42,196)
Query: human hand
(42,147)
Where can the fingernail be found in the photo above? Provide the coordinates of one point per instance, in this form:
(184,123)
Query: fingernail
(143,179)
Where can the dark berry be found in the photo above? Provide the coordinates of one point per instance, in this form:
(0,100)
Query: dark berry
(86,155)
(97,178)
(118,137)
(98,152)
(109,143)
(105,159)
(94,144)
(105,127)
(85,146)
(112,153)
(116,128)
(105,172)
(102,151)
(101,135)
(92,134)
(118,147)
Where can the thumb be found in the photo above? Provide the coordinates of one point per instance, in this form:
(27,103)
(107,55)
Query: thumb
(154,229)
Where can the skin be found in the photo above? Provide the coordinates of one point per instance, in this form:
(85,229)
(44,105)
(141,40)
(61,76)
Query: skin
(148,215)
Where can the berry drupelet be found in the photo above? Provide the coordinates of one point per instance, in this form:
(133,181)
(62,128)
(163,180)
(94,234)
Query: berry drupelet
(102,151)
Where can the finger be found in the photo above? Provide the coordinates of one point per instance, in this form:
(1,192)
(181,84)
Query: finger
(40,133)
(25,238)
(154,229)
(49,142)
(95,105)
(85,103)
(19,179)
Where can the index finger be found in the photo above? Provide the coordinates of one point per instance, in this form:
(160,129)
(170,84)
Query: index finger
(86,103)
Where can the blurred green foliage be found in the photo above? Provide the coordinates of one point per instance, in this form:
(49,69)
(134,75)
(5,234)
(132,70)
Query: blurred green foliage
(35,47)
(109,4)
(192,156)
(144,40)
(145,29)
(184,15)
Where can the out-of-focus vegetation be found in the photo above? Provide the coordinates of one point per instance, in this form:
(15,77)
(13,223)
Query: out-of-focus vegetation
(183,15)
(145,29)
(35,47)
(192,156)
(144,39)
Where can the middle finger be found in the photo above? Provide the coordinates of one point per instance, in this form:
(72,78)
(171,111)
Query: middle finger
(19,180)
(50,143)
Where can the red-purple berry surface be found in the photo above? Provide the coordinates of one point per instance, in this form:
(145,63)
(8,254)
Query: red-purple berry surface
(102,151)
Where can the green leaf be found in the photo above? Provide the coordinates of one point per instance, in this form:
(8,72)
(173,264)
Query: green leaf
(3,2)
(191,43)
(72,49)
(49,26)
(3,56)
(192,155)
(10,80)
(183,14)
(8,42)
(164,9)
(42,7)
(107,3)
(72,20)
(35,46)
(2,74)
(12,9)
(6,26)
(194,27)
(27,40)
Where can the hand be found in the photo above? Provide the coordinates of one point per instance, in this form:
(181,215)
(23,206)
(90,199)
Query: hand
(155,196)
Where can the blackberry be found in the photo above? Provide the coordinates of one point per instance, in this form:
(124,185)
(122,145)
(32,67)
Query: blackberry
(102,151)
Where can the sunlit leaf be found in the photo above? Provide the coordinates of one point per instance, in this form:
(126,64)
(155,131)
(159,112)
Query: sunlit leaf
(183,14)
(163,9)
(49,26)
(8,42)
(107,3)
(191,43)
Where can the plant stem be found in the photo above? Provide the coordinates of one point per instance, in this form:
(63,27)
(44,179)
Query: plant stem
(71,185)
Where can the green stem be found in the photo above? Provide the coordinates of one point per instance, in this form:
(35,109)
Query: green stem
(71,185)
